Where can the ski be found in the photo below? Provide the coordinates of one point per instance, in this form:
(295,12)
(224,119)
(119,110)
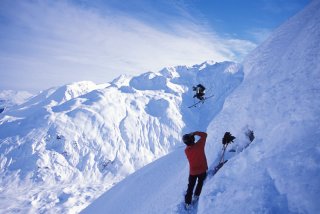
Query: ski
(216,168)
(201,101)
(226,140)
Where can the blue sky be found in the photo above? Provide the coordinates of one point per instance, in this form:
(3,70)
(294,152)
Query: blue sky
(50,43)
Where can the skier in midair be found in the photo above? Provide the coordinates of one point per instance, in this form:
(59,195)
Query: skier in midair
(197,162)
(199,89)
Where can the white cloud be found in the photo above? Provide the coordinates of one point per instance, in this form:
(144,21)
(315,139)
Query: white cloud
(51,43)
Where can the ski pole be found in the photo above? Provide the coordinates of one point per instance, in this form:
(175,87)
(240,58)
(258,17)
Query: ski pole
(222,156)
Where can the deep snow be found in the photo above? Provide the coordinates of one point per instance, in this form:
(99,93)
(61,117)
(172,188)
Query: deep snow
(64,147)
(279,172)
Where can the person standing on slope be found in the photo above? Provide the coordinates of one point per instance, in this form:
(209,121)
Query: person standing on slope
(197,163)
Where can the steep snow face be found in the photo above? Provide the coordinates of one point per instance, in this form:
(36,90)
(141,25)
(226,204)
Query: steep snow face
(279,172)
(67,145)
(279,99)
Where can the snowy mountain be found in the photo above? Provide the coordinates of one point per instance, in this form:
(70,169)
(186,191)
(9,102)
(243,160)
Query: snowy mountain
(65,146)
(10,98)
(279,172)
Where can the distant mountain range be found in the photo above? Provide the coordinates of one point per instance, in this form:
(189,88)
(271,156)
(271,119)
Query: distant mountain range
(77,140)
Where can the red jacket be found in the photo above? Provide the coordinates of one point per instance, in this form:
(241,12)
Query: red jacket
(196,155)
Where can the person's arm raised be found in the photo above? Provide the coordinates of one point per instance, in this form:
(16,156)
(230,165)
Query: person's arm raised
(202,135)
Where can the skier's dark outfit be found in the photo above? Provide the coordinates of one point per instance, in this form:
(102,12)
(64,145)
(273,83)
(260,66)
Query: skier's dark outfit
(199,89)
(197,162)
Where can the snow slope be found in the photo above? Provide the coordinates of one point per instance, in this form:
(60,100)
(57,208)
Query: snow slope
(279,172)
(10,98)
(280,101)
(67,145)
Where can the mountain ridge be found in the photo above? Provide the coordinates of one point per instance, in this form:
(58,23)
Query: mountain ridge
(85,137)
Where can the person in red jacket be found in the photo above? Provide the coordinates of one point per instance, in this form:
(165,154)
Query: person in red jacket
(197,162)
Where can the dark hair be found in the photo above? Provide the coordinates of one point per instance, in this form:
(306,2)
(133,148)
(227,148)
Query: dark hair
(188,139)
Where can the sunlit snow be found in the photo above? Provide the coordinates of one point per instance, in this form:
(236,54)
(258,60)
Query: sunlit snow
(116,147)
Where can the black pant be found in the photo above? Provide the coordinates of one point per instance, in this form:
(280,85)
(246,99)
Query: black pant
(191,184)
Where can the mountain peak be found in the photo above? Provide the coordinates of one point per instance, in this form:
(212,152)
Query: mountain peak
(83,137)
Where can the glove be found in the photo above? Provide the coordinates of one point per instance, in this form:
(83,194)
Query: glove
(227,138)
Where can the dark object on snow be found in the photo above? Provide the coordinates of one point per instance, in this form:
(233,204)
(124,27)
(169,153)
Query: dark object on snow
(222,161)
(227,138)
(250,135)
(59,137)
(199,89)
(188,139)
(1,110)
(216,169)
